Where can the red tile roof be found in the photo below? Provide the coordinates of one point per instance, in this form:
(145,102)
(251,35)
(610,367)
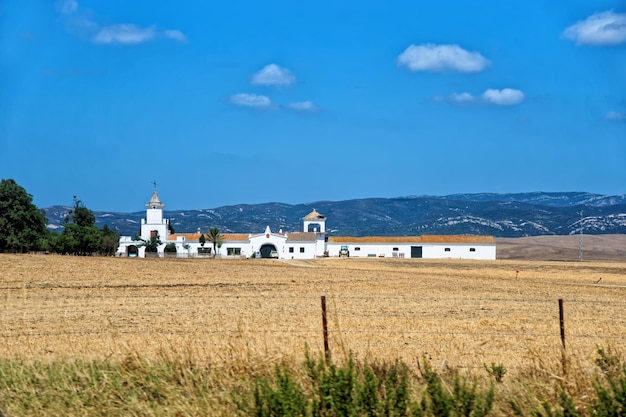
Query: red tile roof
(314,215)
(187,236)
(414,239)
(458,239)
(228,237)
(238,237)
(375,239)
(311,236)
(301,237)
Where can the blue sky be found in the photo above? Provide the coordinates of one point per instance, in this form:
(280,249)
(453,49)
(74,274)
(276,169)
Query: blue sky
(247,102)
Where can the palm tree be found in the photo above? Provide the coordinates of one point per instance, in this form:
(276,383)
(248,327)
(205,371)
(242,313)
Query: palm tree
(216,237)
(152,244)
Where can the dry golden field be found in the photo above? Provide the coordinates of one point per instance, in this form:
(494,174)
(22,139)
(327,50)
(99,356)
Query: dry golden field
(458,313)
(563,248)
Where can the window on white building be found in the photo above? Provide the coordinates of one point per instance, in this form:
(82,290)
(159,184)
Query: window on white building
(233,251)
(357,248)
(301,249)
(472,249)
(290,249)
(447,249)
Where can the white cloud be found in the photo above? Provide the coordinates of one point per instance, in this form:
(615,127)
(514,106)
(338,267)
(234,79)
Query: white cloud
(174,34)
(121,34)
(251,100)
(431,57)
(457,98)
(124,34)
(602,28)
(302,106)
(504,97)
(616,116)
(68,6)
(462,98)
(272,74)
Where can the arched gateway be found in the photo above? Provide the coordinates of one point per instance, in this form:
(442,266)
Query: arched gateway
(267,249)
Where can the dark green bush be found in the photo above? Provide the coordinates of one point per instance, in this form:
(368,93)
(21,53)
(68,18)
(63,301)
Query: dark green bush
(611,396)
(379,390)
(331,390)
(285,399)
(566,408)
(464,400)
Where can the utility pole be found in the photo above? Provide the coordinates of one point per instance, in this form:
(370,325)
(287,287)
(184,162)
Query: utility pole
(580,238)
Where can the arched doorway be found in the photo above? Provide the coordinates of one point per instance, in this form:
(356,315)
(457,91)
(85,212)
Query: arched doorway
(266,250)
(132,251)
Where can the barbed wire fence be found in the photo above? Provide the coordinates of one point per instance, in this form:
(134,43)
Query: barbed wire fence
(336,320)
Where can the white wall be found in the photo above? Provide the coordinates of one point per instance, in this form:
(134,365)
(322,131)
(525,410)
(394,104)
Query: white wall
(316,249)
(310,250)
(371,249)
(278,241)
(154,221)
(246,249)
(154,216)
(429,250)
(459,251)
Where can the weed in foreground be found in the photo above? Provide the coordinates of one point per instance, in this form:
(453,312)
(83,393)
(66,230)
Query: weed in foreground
(329,389)
(566,408)
(464,399)
(497,372)
(176,386)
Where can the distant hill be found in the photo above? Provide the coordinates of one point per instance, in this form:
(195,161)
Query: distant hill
(499,215)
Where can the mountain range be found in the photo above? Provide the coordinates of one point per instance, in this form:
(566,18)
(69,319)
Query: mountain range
(499,215)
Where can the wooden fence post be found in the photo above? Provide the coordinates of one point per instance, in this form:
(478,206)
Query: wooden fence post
(325,327)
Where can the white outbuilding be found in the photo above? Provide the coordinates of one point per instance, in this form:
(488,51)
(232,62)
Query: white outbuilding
(425,246)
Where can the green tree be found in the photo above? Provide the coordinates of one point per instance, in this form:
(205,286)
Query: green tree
(48,242)
(80,235)
(22,225)
(216,238)
(170,247)
(110,241)
(80,215)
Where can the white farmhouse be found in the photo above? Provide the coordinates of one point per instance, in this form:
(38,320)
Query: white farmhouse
(312,242)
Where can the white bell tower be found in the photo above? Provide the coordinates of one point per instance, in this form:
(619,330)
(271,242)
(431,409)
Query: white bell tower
(314,218)
(154,218)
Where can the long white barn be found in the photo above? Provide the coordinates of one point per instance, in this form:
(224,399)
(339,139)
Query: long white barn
(310,243)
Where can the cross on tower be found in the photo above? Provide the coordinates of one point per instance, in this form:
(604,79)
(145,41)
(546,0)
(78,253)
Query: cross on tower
(155,184)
